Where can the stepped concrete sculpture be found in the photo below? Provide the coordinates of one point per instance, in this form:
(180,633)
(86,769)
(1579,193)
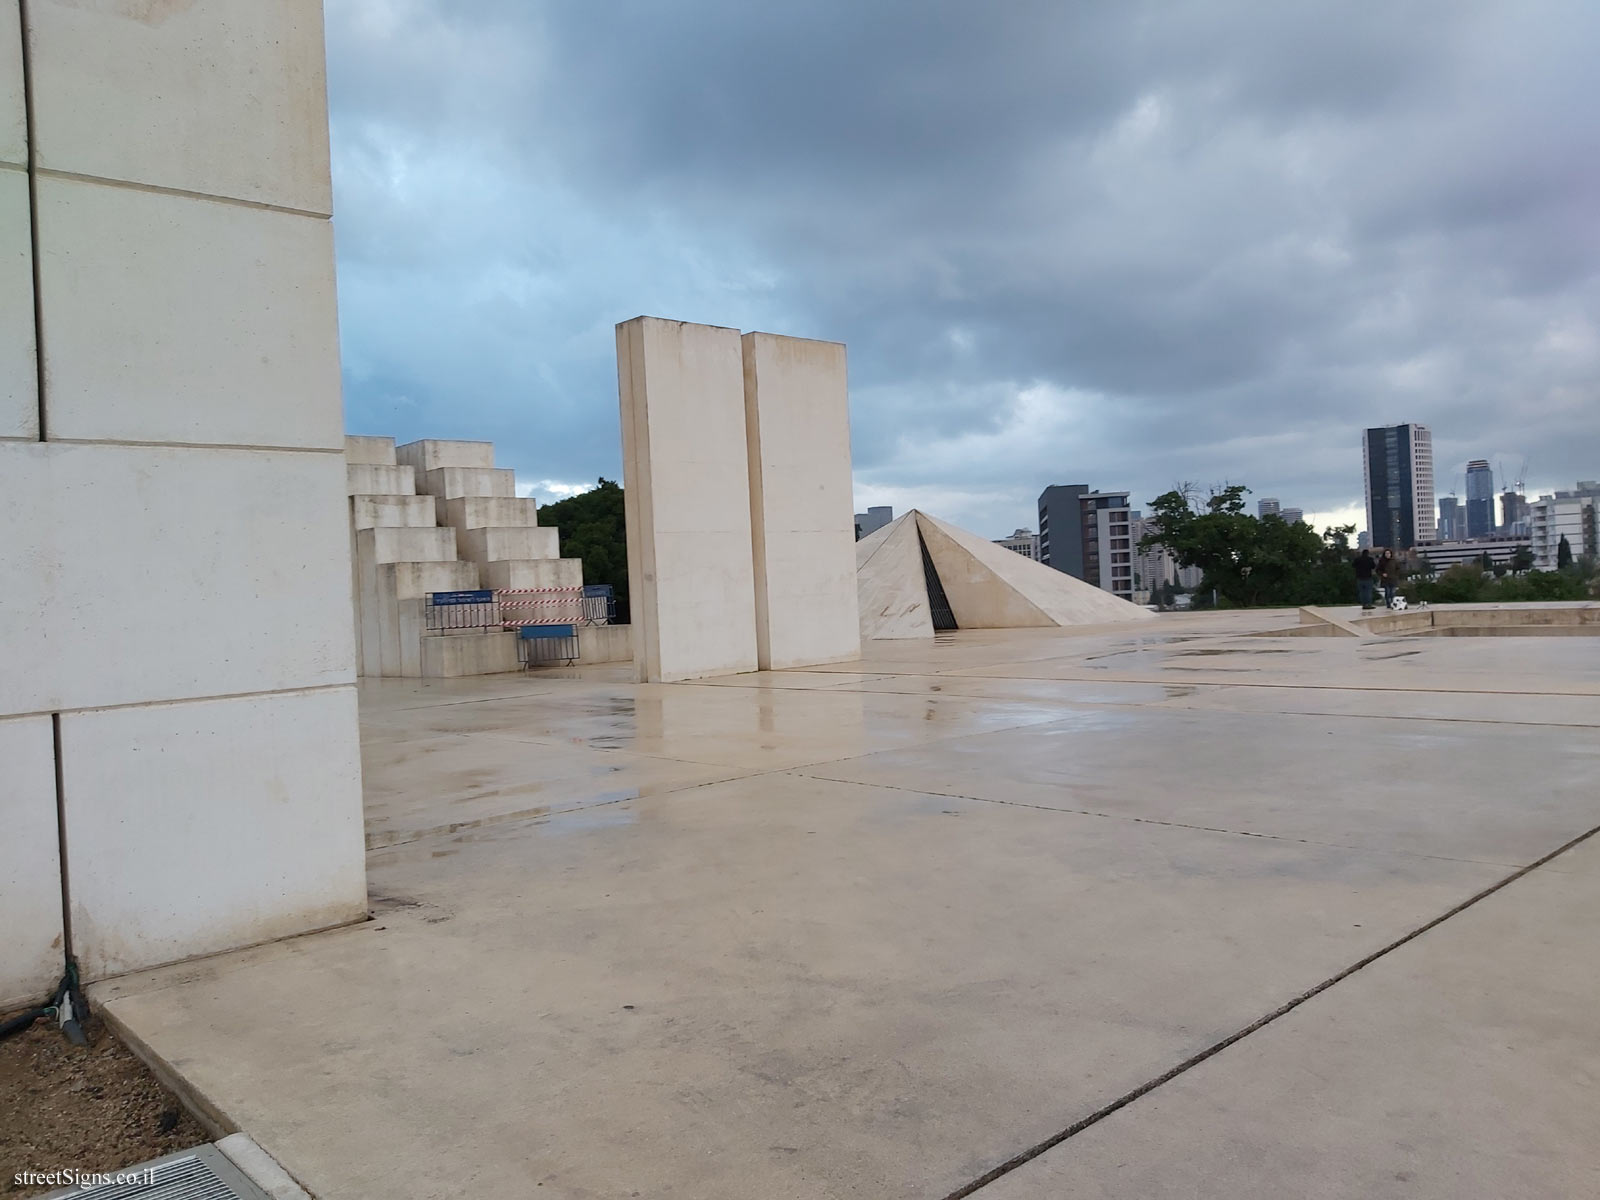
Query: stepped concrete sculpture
(177,703)
(802,518)
(451,521)
(736,465)
(987,586)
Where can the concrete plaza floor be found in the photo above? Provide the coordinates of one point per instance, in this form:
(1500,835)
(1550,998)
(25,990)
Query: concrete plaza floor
(891,928)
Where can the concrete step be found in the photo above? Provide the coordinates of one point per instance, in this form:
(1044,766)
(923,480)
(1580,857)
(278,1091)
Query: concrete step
(431,455)
(369,451)
(498,545)
(411,512)
(449,656)
(367,479)
(488,512)
(533,573)
(390,605)
(454,483)
(399,544)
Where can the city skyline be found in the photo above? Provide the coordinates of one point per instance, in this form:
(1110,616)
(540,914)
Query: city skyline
(1115,235)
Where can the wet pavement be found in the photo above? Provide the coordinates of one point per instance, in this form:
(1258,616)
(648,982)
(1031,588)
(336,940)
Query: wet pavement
(889,928)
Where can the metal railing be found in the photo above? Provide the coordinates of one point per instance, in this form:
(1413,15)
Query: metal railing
(476,609)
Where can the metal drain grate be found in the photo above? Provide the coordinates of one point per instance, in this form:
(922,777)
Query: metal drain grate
(203,1173)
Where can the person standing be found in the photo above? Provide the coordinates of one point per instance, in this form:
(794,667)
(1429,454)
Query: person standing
(1366,566)
(1389,576)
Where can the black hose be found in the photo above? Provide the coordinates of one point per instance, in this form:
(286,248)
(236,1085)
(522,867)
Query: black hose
(22,1021)
(68,992)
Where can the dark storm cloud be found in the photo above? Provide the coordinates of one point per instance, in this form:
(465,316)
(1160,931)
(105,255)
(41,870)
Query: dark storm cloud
(1122,243)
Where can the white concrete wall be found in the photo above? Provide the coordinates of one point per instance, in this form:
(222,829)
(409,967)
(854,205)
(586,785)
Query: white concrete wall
(174,534)
(687,499)
(30,869)
(802,514)
(142,573)
(19,397)
(222,873)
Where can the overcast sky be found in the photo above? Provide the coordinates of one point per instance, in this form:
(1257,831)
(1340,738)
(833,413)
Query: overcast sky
(1115,242)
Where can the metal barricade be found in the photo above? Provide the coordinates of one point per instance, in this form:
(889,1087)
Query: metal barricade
(460,610)
(538,644)
(599,605)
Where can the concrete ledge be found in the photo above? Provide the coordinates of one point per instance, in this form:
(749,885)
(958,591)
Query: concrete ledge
(497,545)
(490,512)
(391,512)
(459,483)
(605,643)
(369,451)
(451,656)
(516,573)
(366,479)
(431,455)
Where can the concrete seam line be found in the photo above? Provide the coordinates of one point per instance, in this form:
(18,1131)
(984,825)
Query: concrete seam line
(1100,1114)
(1089,812)
(186,193)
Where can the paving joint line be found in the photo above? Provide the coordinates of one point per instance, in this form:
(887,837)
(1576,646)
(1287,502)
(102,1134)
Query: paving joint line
(1188,1064)
(1089,812)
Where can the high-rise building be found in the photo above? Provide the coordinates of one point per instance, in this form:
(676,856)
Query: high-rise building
(1480,499)
(1024,542)
(1513,513)
(1089,535)
(1058,506)
(1292,516)
(1572,515)
(1268,506)
(873,520)
(1397,462)
(1363,540)
(1450,527)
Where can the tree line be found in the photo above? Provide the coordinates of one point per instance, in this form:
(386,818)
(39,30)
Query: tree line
(1249,561)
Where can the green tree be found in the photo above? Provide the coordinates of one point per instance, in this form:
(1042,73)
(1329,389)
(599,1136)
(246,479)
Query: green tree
(1487,560)
(1246,560)
(1563,554)
(1522,560)
(593,529)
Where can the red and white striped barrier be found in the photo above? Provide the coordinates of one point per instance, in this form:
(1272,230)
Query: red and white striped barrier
(540,606)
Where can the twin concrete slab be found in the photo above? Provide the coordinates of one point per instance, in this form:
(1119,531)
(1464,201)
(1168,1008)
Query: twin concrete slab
(179,668)
(738,503)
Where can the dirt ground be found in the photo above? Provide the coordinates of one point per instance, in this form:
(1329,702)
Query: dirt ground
(95,1108)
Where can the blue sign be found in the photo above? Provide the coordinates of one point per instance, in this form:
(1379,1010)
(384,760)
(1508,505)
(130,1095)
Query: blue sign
(478,597)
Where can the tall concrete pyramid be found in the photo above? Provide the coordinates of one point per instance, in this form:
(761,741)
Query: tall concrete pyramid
(984,586)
